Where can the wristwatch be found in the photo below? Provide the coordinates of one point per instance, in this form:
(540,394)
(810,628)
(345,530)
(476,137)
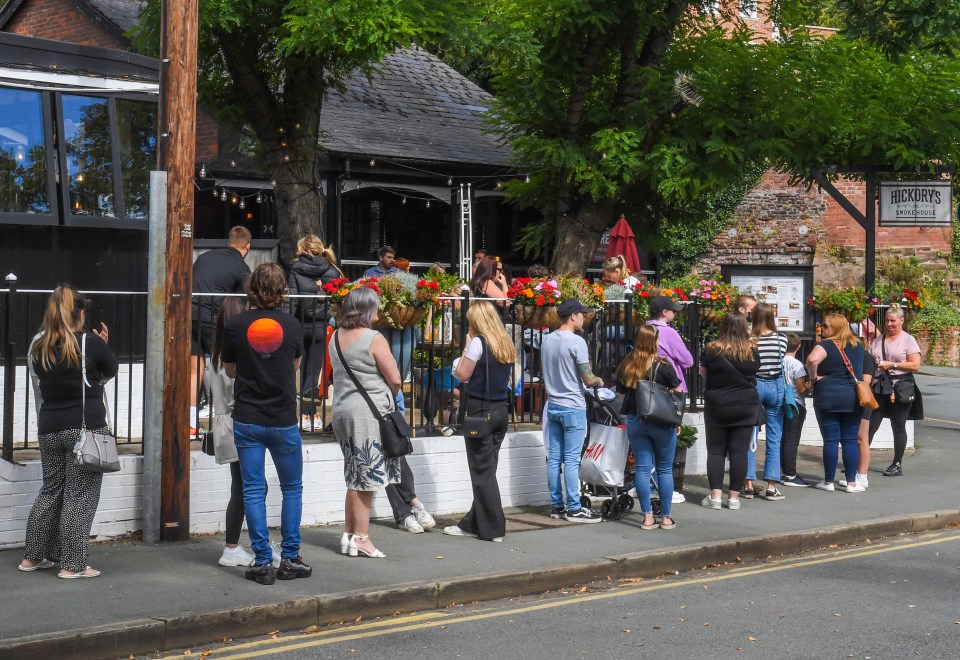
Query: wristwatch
(896,366)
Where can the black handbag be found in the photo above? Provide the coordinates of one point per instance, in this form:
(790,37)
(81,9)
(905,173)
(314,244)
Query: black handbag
(394,430)
(903,387)
(657,404)
(478,426)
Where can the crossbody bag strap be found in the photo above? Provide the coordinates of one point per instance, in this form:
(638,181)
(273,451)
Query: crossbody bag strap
(737,371)
(356,381)
(486,370)
(846,361)
(83,382)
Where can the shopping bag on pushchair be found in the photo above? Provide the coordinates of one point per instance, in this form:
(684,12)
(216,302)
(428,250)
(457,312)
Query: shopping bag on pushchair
(605,458)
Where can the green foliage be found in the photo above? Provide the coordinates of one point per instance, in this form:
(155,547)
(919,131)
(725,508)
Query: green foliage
(901,273)
(937,316)
(687,436)
(900,26)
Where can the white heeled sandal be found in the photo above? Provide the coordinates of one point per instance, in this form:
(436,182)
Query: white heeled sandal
(354,551)
(345,543)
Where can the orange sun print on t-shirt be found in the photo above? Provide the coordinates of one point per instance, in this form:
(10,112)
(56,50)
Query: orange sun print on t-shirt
(265,335)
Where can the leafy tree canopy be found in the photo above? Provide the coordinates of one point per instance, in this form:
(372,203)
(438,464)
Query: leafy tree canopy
(655,108)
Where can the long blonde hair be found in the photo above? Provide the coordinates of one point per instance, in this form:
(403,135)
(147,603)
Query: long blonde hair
(57,341)
(638,362)
(311,244)
(840,330)
(485,322)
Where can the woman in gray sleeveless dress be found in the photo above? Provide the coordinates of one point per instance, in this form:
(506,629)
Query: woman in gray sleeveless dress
(365,467)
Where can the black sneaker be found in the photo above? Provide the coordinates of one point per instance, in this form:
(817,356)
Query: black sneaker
(895,470)
(796,480)
(557,512)
(291,569)
(262,573)
(773,495)
(582,515)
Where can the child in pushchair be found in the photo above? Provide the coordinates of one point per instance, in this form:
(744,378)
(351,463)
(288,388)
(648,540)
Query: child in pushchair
(611,483)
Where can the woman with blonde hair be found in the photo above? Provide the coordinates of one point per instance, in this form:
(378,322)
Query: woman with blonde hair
(833,368)
(485,364)
(62,515)
(653,444)
(314,266)
(615,271)
(732,406)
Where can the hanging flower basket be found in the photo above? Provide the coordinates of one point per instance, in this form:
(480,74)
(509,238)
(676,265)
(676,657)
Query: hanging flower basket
(394,317)
(712,315)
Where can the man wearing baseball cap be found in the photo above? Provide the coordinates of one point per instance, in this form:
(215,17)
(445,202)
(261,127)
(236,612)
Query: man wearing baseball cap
(566,370)
(663,310)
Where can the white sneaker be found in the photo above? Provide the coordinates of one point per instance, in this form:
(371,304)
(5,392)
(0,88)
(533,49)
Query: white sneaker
(678,498)
(862,480)
(855,488)
(276,555)
(733,503)
(453,530)
(423,517)
(235,557)
(410,524)
(823,485)
(710,503)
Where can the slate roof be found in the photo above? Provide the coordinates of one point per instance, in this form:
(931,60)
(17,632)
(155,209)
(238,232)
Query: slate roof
(415,107)
(125,14)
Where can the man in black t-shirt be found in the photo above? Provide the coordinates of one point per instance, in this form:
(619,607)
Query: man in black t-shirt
(216,271)
(262,349)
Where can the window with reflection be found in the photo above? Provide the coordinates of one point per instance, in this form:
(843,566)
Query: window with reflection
(23,177)
(86,133)
(137,134)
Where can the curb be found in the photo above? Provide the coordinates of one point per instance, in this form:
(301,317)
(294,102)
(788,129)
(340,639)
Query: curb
(144,636)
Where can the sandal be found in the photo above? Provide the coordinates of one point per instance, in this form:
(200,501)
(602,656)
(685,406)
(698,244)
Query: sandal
(88,572)
(39,566)
(653,525)
(669,525)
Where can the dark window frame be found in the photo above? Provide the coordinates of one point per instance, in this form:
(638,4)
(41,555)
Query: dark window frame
(40,219)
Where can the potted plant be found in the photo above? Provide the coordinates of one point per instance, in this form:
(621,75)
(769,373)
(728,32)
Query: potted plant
(685,439)
(714,296)
(852,302)
(535,300)
(404,298)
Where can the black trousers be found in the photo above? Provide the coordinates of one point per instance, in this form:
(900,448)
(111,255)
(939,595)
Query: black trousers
(401,494)
(485,518)
(898,413)
(314,360)
(790,442)
(721,442)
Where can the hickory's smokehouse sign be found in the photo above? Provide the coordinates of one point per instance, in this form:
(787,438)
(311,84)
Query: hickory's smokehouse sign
(916,203)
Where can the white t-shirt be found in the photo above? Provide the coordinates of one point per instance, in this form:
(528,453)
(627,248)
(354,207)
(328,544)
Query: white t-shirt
(794,369)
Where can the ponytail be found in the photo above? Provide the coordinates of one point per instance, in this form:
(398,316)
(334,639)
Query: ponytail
(57,341)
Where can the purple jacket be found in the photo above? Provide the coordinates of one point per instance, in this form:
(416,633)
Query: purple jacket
(673,350)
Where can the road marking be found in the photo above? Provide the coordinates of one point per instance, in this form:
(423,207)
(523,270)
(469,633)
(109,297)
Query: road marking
(408,624)
(941,421)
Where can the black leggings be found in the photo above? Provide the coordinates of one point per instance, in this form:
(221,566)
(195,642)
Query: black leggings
(235,506)
(721,442)
(898,413)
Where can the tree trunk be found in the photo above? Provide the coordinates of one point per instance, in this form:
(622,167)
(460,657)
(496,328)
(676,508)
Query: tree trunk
(301,205)
(578,236)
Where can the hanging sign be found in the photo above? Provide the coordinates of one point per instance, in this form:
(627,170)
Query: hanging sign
(600,254)
(916,203)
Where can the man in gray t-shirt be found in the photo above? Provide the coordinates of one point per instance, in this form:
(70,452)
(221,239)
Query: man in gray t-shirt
(566,370)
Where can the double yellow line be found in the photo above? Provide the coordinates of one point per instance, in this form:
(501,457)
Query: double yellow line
(264,647)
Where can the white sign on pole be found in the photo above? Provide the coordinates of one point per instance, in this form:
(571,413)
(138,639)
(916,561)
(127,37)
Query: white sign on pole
(916,203)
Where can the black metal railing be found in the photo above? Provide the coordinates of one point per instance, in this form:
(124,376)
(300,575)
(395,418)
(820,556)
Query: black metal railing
(425,354)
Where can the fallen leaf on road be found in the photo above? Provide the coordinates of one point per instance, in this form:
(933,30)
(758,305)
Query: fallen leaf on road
(439,556)
(782,615)
(751,638)
(837,614)
(706,625)
(657,626)
(911,605)
(626,630)
(739,648)
(309,630)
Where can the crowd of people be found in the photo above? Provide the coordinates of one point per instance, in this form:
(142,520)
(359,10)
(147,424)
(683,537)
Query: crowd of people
(752,379)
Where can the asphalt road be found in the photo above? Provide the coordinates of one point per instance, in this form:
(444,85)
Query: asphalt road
(887,599)
(941,398)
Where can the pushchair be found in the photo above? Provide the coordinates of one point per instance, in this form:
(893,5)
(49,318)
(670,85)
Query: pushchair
(616,496)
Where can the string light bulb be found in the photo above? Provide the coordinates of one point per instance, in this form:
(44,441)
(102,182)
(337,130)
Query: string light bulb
(223,195)
(203,171)
(215,192)
(233,199)
(280,130)
(498,185)
(526,179)
(20,155)
(404,200)
(273,183)
(449,180)
(243,203)
(373,162)
(80,177)
(286,158)
(428,203)
(297,126)
(233,163)
(259,197)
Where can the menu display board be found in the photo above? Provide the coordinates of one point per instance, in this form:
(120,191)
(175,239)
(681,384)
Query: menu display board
(786,288)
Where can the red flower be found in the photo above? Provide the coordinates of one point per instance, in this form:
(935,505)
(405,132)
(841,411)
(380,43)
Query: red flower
(541,300)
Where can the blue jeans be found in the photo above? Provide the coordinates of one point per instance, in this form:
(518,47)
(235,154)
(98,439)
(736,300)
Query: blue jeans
(252,441)
(653,444)
(839,428)
(567,428)
(771,396)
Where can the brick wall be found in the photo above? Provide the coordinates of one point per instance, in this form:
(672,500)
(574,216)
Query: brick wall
(769,229)
(60,20)
(208,147)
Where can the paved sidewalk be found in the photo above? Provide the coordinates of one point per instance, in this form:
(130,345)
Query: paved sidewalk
(153,597)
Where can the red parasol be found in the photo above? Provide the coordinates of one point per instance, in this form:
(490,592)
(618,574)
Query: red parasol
(622,243)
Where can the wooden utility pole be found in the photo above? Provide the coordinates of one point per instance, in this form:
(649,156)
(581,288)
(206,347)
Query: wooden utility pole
(178,135)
